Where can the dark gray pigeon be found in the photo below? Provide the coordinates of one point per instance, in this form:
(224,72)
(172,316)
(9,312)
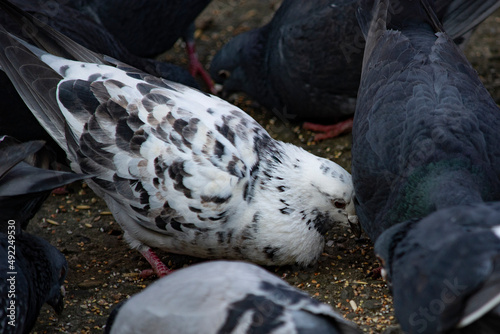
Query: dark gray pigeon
(225,297)
(306,63)
(32,273)
(180,170)
(24,186)
(150,27)
(425,131)
(445,270)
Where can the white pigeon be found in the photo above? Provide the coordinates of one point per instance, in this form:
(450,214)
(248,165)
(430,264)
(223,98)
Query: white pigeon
(225,297)
(180,170)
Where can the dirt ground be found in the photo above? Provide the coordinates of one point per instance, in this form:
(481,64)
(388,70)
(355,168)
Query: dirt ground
(104,271)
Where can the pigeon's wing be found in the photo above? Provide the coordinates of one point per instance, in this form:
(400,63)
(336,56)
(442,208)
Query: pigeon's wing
(146,141)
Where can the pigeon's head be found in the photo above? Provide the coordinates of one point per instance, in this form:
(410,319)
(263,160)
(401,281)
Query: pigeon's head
(318,189)
(331,194)
(386,244)
(236,65)
(304,196)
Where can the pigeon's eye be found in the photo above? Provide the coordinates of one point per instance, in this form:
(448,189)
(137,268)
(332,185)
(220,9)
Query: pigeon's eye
(339,204)
(224,74)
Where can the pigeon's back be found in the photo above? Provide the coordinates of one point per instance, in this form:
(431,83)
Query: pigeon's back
(424,132)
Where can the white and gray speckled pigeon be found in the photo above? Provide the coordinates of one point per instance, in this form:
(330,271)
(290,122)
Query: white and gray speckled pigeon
(225,297)
(33,277)
(445,270)
(180,170)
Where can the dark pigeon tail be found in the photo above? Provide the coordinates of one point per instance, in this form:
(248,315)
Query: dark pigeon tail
(462,16)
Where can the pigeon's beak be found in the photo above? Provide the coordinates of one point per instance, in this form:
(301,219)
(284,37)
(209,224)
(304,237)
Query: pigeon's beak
(218,89)
(57,303)
(354,224)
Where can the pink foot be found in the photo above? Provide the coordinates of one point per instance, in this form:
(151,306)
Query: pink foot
(376,273)
(60,191)
(330,131)
(196,68)
(159,268)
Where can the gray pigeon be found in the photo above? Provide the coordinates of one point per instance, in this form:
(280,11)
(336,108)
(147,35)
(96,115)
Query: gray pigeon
(425,133)
(32,273)
(180,170)
(305,64)
(445,270)
(225,297)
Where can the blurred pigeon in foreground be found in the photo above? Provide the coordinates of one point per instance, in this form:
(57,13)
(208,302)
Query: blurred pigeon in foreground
(148,28)
(32,273)
(306,63)
(425,131)
(445,270)
(180,170)
(225,297)
(23,186)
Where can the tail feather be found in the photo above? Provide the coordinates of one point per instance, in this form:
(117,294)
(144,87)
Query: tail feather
(455,17)
(461,16)
(24,70)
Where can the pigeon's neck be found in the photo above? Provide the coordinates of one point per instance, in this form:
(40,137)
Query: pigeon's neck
(437,186)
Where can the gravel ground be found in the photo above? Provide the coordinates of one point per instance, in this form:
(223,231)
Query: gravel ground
(104,271)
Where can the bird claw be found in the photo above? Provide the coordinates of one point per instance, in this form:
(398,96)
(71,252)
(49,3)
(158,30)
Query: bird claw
(329,131)
(158,267)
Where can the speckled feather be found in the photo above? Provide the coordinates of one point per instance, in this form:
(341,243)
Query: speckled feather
(182,170)
(225,297)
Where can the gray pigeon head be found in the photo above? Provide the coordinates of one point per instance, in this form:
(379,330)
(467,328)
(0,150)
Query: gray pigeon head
(237,63)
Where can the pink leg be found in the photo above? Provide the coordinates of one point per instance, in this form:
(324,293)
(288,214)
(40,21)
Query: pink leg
(60,191)
(330,131)
(159,268)
(376,273)
(195,67)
